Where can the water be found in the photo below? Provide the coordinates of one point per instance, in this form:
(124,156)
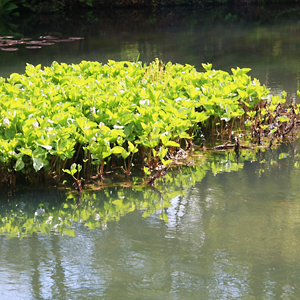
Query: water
(265,40)
(223,229)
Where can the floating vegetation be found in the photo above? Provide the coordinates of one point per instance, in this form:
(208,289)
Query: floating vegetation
(9,49)
(33,47)
(47,44)
(65,40)
(48,37)
(114,116)
(33,42)
(76,38)
(7,41)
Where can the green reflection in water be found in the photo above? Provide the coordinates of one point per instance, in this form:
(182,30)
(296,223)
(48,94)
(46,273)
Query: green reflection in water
(57,211)
(232,233)
(94,209)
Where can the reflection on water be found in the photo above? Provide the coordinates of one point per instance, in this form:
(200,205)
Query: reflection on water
(222,229)
(50,210)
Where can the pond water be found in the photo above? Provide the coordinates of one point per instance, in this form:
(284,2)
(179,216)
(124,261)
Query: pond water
(221,229)
(265,40)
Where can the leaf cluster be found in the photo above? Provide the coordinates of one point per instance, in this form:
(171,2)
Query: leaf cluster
(8,7)
(100,115)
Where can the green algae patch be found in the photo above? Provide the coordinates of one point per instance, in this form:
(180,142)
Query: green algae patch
(102,116)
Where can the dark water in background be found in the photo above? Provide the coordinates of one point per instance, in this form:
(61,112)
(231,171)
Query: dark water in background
(220,230)
(265,40)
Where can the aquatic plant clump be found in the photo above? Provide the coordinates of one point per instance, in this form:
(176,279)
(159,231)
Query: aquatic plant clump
(98,116)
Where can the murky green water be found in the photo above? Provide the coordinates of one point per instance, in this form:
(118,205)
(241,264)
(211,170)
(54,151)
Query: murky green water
(222,229)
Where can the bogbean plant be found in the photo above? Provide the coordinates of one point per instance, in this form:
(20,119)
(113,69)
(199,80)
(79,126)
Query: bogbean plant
(100,116)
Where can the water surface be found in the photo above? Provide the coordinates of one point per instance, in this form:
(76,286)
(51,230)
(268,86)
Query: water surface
(261,38)
(224,229)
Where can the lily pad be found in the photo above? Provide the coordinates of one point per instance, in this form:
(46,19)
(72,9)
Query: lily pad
(48,37)
(9,49)
(33,43)
(65,40)
(76,38)
(33,47)
(47,44)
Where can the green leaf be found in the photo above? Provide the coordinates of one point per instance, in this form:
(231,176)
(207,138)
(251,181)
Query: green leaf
(146,171)
(166,162)
(162,152)
(117,150)
(172,144)
(283,155)
(38,163)
(39,152)
(132,148)
(19,164)
(26,151)
(47,147)
(251,113)
(10,133)
(67,171)
(283,119)
(73,169)
(207,67)
(80,122)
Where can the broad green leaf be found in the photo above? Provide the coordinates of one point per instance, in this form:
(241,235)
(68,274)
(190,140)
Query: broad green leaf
(10,133)
(19,165)
(132,148)
(283,119)
(283,155)
(26,151)
(207,67)
(38,163)
(172,144)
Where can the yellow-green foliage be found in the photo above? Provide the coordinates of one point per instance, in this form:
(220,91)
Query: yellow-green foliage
(89,112)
